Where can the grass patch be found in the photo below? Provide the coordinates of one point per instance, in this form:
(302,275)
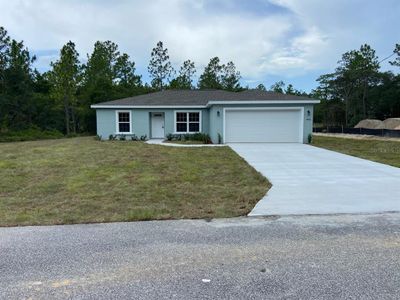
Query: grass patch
(80,180)
(387,152)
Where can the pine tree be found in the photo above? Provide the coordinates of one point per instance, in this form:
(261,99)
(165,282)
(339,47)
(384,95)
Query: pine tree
(230,77)
(65,77)
(160,67)
(185,79)
(211,77)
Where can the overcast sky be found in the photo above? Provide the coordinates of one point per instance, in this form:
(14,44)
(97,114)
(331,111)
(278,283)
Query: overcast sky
(268,40)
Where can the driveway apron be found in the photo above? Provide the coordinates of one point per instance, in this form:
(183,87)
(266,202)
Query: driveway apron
(311,180)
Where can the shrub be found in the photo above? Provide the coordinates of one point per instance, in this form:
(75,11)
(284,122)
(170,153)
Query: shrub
(310,138)
(219,138)
(30,134)
(122,137)
(98,137)
(198,136)
(203,137)
(112,137)
(143,138)
(134,137)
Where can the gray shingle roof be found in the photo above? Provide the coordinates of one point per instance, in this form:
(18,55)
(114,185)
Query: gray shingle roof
(198,98)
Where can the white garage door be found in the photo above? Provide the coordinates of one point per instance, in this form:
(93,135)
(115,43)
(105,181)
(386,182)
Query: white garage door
(263,126)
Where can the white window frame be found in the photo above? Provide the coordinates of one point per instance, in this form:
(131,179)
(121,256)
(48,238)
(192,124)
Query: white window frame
(187,121)
(117,112)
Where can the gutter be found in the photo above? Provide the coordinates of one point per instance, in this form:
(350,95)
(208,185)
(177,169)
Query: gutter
(264,102)
(210,103)
(147,106)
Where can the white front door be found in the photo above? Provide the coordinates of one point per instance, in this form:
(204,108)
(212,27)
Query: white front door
(157,125)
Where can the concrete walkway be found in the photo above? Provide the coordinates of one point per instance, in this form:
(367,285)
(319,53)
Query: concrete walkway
(310,180)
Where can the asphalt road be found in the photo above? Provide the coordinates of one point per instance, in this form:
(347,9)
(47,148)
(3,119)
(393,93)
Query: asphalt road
(304,257)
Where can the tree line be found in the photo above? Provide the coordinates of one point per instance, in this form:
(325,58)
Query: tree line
(60,98)
(358,89)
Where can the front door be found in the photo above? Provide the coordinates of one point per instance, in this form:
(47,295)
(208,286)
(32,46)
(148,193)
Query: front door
(157,125)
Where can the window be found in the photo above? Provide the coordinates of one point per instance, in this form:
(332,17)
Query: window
(194,122)
(181,122)
(123,121)
(187,122)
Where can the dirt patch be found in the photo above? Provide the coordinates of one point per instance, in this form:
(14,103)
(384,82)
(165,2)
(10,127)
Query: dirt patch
(392,123)
(370,124)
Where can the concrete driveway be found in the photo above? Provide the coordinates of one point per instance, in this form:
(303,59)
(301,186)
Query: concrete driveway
(311,180)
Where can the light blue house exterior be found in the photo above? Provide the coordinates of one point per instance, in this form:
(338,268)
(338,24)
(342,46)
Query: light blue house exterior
(237,117)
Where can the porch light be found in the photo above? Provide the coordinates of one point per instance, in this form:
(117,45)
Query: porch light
(308,113)
(217,113)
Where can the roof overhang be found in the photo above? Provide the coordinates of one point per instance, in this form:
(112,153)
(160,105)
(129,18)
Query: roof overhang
(264,102)
(147,106)
(210,103)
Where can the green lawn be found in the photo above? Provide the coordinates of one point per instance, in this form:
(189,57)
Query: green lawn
(387,152)
(81,180)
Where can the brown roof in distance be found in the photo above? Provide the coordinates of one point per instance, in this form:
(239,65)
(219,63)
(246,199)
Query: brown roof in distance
(199,98)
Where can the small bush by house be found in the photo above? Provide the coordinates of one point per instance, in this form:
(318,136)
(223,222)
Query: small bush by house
(199,137)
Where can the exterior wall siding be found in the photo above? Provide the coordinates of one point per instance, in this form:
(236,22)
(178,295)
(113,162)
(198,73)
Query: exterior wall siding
(141,121)
(217,121)
(212,120)
(308,122)
(105,120)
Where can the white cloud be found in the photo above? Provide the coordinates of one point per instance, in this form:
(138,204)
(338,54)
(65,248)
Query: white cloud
(335,27)
(301,54)
(303,36)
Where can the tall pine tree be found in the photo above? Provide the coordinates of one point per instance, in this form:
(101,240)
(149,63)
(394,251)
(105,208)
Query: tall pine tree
(230,77)
(185,79)
(65,78)
(160,68)
(211,77)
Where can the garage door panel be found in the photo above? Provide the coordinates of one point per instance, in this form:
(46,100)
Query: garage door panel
(263,126)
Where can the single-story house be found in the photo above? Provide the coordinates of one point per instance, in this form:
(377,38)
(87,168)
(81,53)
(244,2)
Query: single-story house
(227,117)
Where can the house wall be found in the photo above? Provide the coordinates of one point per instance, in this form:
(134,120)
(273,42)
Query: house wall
(217,122)
(212,123)
(141,121)
(105,122)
